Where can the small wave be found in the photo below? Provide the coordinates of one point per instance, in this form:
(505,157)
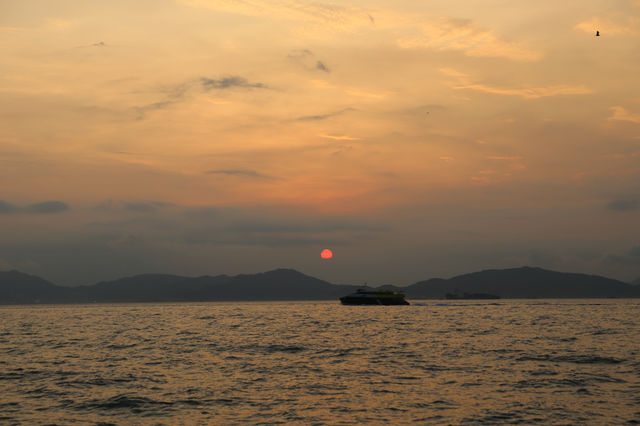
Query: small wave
(122,402)
(114,346)
(284,348)
(576,359)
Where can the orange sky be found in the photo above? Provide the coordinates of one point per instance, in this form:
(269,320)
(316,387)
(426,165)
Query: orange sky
(416,139)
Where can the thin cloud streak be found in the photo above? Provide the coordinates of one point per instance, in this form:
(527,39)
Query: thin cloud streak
(229,83)
(463,35)
(238,172)
(621,114)
(464,82)
(44,207)
(339,137)
(319,117)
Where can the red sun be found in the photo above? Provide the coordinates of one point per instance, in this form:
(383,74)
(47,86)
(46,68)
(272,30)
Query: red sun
(326,254)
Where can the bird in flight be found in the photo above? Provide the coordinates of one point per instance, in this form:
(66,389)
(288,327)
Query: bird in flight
(597,33)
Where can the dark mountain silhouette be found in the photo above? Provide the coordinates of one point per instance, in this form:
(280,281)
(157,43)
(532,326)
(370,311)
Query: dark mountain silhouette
(526,283)
(288,284)
(636,282)
(280,284)
(17,287)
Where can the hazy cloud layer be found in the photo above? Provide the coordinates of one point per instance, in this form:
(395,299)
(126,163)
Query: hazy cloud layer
(464,35)
(623,205)
(145,207)
(237,172)
(307,59)
(464,82)
(44,207)
(317,117)
(7,208)
(229,83)
(180,93)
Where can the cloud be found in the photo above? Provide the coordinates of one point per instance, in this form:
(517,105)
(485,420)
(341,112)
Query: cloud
(47,207)
(623,205)
(324,116)
(608,26)
(463,35)
(263,228)
(145,207)
(179,92)
(307,59)
(621,114)
(322,67)
(504,158)
(464,82)
(631,258)
(229,82)
(237,172)
(339,137)
(7,208)
(322,14)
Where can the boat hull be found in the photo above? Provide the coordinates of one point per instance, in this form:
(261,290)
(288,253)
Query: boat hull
(386,301)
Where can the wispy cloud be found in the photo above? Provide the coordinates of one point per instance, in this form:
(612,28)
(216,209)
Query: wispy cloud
(322,67)
(503,157)
(464,82)
(238,172)
(7,208)
(623,205)
(324,116)
(179,92)
(44,207)
(339,137)
(463,35)
(329,15)
(610,26)
(229,83)
(307,59)
(145,207)
(621,114)
(47,207)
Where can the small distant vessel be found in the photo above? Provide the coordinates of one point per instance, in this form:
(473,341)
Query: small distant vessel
(374,297)
(457,296)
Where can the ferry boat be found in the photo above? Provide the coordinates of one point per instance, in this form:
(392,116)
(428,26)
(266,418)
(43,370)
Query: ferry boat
(374,297)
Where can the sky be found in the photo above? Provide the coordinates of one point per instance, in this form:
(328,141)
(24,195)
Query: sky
(414,139)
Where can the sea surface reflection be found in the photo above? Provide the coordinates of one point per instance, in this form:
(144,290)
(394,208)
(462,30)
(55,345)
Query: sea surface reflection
(516,361)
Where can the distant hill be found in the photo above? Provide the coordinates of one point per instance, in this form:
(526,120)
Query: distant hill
(525,283)
(636,282)
(17,287)
(288,284)
(279,284)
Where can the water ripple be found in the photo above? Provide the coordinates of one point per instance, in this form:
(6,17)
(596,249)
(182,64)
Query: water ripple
(279,363)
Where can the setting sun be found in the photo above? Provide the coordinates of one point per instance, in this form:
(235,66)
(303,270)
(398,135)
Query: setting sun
(326,254)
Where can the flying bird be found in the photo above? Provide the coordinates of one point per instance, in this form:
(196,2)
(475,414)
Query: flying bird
(597,33)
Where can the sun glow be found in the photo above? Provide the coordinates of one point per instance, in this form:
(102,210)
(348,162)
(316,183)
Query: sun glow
(326,254)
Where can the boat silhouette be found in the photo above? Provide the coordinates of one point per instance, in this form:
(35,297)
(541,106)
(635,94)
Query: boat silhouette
(374,297)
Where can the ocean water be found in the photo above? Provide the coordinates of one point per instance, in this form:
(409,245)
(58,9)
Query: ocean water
(515,361)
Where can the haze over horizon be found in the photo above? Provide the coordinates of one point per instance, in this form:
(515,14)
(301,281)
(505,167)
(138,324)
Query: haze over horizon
(415,141)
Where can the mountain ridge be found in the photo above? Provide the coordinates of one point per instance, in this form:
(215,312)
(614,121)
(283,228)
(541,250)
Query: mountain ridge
(288,284)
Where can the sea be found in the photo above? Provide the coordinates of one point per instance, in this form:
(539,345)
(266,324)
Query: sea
(433,362)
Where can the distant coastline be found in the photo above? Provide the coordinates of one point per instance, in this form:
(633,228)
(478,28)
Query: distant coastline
(288,284)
